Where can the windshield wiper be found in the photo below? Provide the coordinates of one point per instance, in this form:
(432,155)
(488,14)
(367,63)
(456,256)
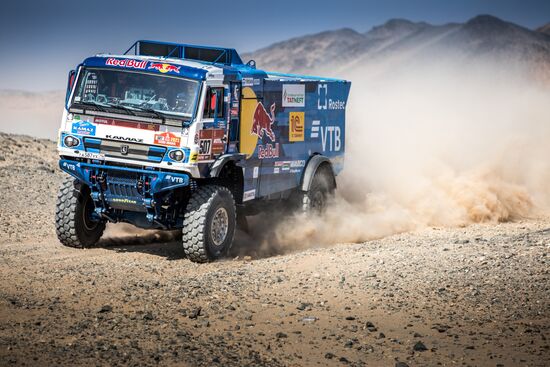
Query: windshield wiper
(99,106)
(160,115)
(127,109)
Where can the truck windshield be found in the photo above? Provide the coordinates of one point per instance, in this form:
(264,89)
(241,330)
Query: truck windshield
(126,90)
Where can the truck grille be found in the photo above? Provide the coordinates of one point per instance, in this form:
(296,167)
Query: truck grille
(119,149)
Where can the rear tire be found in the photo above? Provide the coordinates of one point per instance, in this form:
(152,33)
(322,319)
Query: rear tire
(314,201)
(209,224)
(74,224)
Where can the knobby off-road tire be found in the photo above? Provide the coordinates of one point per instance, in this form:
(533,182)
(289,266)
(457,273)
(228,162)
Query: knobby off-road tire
(73,222)
(209,224)
(314,201)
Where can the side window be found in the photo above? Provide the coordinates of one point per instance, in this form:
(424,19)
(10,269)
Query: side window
(210,103)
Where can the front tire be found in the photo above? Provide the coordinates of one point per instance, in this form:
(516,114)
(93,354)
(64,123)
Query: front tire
(209,224)
(74,223)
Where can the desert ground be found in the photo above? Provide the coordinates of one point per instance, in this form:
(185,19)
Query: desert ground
(467,296)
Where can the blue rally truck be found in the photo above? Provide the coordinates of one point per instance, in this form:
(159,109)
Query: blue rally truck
(175,136)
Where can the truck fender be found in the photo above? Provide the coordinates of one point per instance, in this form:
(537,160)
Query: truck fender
(311,167)
(217,166)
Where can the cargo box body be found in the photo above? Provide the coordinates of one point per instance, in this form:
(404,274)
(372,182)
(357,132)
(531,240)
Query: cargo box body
(283,122)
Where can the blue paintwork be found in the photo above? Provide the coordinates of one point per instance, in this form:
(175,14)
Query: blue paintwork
(184,71)
(323,110)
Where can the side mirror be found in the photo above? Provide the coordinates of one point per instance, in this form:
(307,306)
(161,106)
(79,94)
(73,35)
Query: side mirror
(70,83)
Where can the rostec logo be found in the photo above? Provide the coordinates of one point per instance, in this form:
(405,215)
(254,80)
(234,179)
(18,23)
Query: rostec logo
(126,63)
(164,68)
(322,97)
(324,103)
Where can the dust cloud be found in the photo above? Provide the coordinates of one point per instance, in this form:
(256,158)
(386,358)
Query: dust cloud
(449,145)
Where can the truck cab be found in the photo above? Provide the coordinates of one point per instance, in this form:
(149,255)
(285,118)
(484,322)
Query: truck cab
(175,136)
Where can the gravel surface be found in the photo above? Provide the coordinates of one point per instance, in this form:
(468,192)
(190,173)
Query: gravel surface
(473,296)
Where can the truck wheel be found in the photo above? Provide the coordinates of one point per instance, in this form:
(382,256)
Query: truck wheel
(209,224)
(74,223)
(315,200)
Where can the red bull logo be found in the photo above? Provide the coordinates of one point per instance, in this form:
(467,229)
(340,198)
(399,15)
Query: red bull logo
(262,122)
(126,63)
(164,68)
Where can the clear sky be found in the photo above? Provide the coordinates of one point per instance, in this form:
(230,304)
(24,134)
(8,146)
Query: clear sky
(41,40)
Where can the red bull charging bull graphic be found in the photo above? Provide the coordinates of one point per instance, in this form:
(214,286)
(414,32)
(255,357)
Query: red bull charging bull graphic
(164,68)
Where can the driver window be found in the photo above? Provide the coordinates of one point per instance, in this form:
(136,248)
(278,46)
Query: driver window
(210,103)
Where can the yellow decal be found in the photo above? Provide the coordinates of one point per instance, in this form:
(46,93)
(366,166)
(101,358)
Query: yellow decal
(248,140)
(296,126)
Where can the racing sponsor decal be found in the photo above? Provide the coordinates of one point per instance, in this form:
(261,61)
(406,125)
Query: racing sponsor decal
(249,195)
(124,138)
(262,123)
(83,128)
(123,201)
(130,124)
(268,151)
(211,143)
(331,138)
(296,126)
(325,103)
(294,95)
(168,139)
(164,68)
(194,157)
(288,166)
(126,63)
(315,125)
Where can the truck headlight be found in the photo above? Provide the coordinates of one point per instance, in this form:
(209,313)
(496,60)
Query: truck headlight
(70,141)
(176,155)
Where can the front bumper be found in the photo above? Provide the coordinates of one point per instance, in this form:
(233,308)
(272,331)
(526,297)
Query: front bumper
(125,188)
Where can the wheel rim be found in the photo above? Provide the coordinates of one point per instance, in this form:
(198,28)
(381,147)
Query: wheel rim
(220,226)
(87,211)
(318,201)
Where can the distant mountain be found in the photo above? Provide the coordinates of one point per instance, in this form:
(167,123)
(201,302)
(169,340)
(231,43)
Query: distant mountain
(399,41)
(544,29)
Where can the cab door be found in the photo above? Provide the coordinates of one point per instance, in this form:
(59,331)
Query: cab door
(213,135)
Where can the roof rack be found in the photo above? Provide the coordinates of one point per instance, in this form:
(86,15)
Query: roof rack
(214,55)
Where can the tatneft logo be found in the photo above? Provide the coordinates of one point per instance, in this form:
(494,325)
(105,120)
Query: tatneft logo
(294,95)
(324,103)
